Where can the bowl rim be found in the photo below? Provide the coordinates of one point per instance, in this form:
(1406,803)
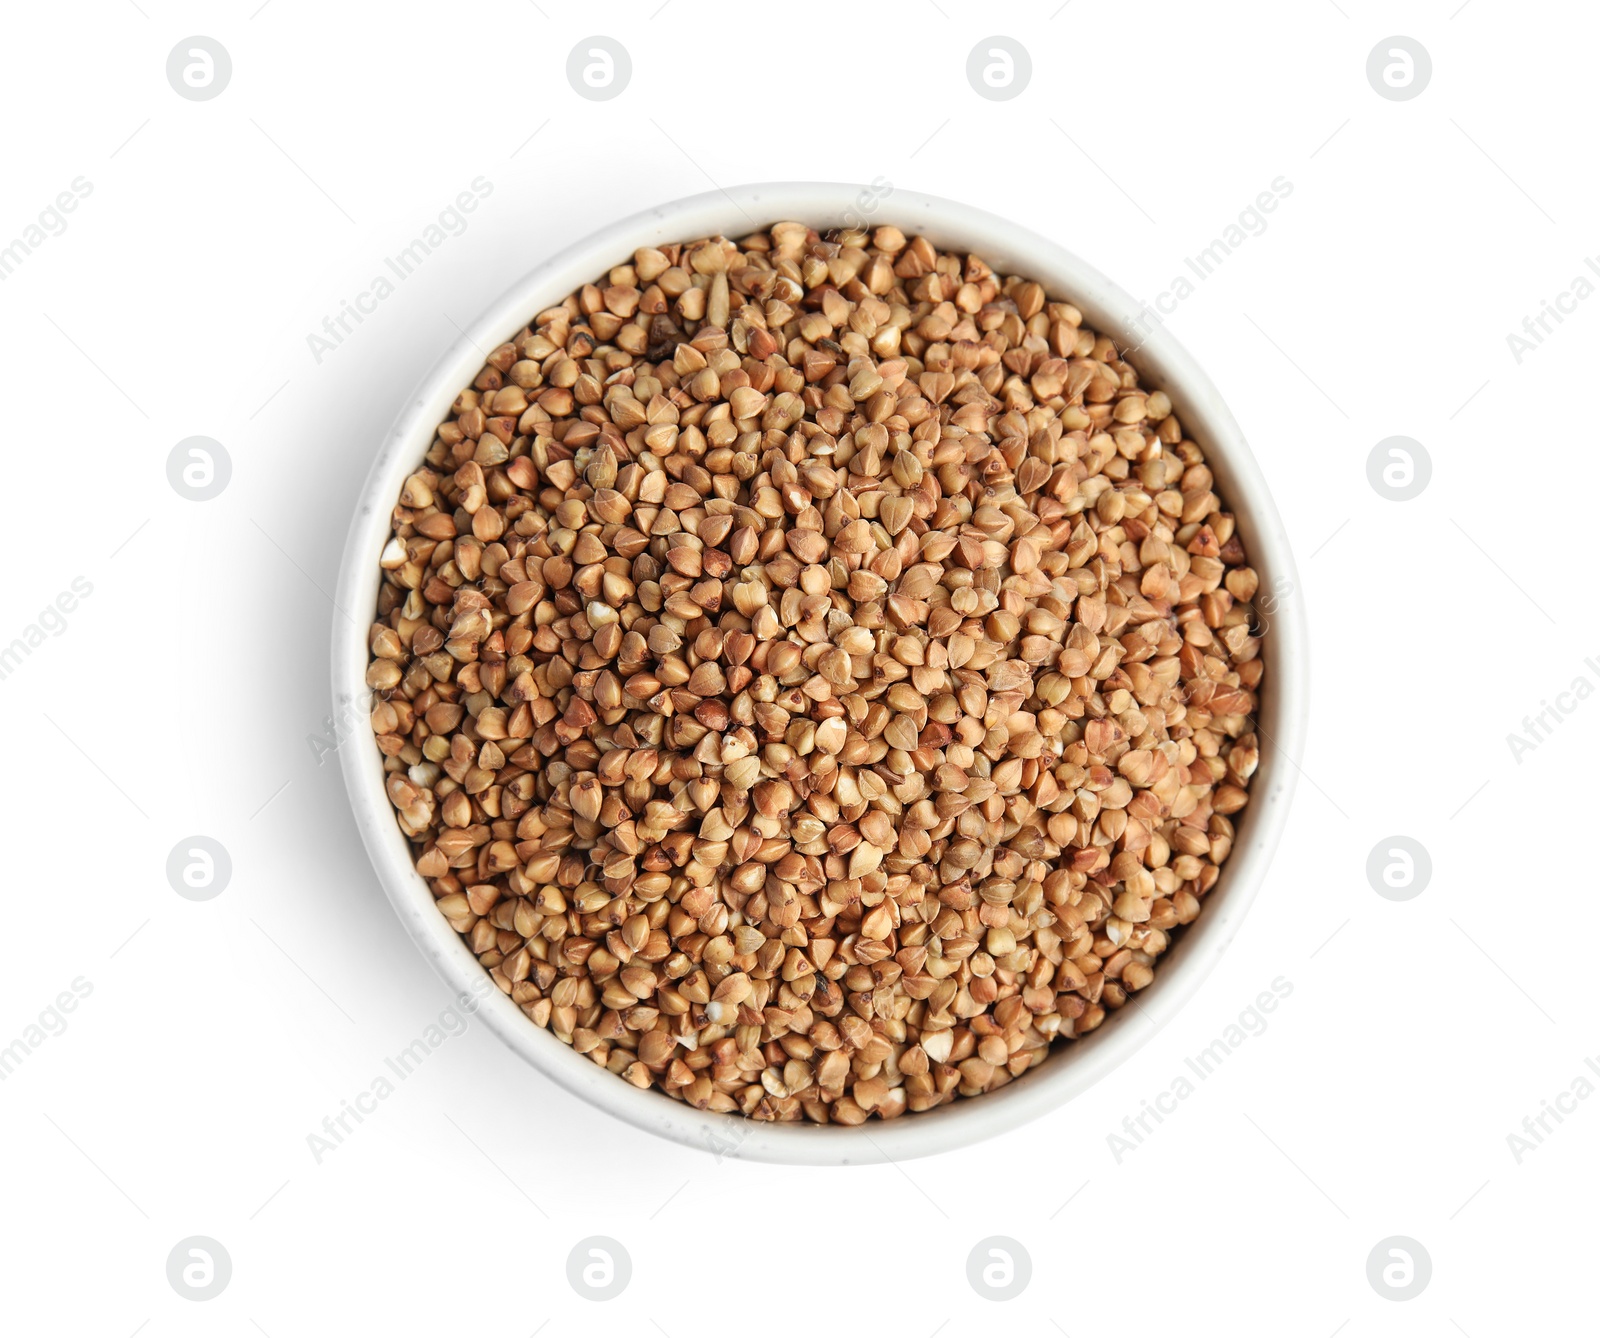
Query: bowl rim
(1162,364)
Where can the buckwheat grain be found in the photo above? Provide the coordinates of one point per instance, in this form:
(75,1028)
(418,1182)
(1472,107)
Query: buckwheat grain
(814,675)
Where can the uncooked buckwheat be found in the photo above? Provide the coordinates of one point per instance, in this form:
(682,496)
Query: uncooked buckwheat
(814,675)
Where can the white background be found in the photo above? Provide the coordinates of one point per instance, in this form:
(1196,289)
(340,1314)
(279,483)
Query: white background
(182,693)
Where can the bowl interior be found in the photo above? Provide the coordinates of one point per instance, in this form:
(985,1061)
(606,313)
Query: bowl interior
(1162,364)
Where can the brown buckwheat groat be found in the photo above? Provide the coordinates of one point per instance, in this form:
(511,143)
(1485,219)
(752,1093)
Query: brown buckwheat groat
(815,677)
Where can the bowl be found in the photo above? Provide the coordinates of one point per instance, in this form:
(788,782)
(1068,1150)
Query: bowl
(1162,364)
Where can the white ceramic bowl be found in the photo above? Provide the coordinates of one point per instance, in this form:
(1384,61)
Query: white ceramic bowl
(1161,363)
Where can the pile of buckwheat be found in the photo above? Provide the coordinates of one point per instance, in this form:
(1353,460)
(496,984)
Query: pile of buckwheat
(813,675)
